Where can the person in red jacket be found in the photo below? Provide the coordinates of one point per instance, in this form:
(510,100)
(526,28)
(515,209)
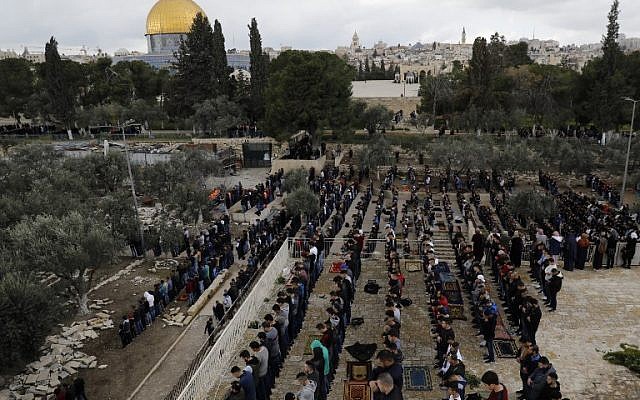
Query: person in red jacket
(498,390)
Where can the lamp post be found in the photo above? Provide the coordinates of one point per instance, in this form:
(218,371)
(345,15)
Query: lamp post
(626,164)
(133,190)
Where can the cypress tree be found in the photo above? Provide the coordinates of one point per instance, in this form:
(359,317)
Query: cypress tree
(221,69)
(610,47)
(194,80)
(58,89)
(258,70)
(367,69)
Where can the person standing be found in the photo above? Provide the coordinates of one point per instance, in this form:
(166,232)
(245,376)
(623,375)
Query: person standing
(553,288)
(583,247)
(555,246)
(262,354)
(630,249)
(498,390)
(517,245)
(218,311)
(490,321)
(601,249)
(612,244)
(245,377)
(478,245)
(570,251)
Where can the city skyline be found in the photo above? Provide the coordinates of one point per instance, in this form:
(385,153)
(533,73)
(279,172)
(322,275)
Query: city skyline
(284,23)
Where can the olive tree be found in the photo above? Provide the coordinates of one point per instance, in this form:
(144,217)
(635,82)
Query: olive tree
(72,247)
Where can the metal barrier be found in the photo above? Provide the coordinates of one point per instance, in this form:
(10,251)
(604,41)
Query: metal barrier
(215,362)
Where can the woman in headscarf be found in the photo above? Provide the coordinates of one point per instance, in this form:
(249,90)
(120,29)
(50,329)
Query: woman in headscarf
(321,363)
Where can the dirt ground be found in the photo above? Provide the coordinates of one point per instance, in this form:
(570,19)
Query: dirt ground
(126,367)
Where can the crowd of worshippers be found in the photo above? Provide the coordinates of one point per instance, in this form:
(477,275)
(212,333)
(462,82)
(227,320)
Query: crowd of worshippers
(259,196)
(207,255)
(302,149)
(263,360)
(523,310)
(585,222)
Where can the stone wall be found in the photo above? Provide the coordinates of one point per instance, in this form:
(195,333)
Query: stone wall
(407,104)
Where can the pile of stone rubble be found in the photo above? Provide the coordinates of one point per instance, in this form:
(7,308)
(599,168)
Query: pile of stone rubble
(61,357)
(173,317)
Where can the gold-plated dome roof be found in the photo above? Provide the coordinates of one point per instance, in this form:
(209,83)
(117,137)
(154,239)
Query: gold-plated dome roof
(172,16)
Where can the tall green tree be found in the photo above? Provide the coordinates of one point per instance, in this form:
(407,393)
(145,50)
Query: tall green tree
(258,69)
(221,70)
(307,91)
(611,52)
(17,84)
(516,54)
(480,72)
(58,83)
(194,80)
(603,83)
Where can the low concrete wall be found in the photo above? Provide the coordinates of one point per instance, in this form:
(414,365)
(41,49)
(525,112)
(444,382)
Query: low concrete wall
(289,165)
(208,294)
(236,214)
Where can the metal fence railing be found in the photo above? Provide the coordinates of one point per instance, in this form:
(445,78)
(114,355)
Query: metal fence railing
(215,357)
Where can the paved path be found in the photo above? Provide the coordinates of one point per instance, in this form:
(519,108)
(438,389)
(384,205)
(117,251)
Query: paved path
(318,303)
(417,343)
(178,359)
(295,360)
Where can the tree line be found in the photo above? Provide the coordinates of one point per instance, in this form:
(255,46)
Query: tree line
(503,89)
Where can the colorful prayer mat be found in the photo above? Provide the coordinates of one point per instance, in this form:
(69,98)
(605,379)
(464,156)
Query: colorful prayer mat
(417,378)
(358,370)
(501,329)
(451,286)
(307,345)
(413,265)
(456,311)
(335,267)
(357,390)
(454,296)
(505,348)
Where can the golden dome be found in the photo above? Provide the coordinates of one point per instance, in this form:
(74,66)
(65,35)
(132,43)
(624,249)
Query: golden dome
(172,16)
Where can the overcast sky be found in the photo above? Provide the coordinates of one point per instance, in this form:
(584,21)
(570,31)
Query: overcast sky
(316,24)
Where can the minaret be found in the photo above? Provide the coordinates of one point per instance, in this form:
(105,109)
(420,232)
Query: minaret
(355,41)
(464,37)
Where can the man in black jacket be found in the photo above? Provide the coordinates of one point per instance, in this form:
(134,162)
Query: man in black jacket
(553,288)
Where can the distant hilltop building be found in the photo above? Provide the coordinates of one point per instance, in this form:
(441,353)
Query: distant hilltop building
(168,22)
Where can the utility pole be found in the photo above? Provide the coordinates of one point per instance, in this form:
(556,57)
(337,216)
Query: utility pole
(133,191)
(626,164)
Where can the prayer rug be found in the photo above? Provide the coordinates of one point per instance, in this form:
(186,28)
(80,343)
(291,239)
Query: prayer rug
(505,348)
(417,378)
(451,286)
(501,329)
(413,265)
(454,296)
(335,267)
(358,370)
(357,390)
(456,311)
(307,345)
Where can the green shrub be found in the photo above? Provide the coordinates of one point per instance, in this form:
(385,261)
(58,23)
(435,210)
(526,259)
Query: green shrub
(28,312)
(629,356)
